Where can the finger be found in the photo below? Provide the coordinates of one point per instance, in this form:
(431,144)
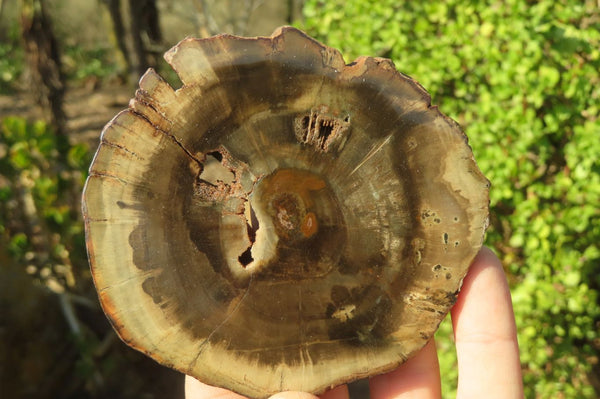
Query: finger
(194,389)
(486,334)
(293,395)
(340,392)
(419,378)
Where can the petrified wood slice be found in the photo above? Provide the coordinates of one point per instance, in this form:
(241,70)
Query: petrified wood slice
(283,221)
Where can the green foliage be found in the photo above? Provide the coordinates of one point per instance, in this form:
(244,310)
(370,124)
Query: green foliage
(39,211)
(12,61)
(79,62)
(522,79)
(82,63)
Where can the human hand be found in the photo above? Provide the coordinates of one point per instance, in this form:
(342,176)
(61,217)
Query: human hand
(486,346)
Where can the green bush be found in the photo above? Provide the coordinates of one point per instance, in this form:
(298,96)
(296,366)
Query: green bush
(58,342)
(522,79)
(41,177)
(81,63)
(12,61)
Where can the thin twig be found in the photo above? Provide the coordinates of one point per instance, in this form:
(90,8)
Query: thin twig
(67,309)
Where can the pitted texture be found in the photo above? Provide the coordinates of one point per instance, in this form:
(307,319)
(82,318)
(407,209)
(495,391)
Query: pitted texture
(283,221)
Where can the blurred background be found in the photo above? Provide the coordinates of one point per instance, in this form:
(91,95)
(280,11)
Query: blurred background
(521,77)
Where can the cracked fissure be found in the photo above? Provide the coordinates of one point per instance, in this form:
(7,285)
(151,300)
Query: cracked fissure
(246,257)
(320,128)
(168,134)
(220,187)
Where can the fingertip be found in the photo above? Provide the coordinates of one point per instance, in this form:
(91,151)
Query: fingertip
(195,389)
(293,395)
(484,303)
(486,259)
(485,333)
(418,377)
(339,392)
